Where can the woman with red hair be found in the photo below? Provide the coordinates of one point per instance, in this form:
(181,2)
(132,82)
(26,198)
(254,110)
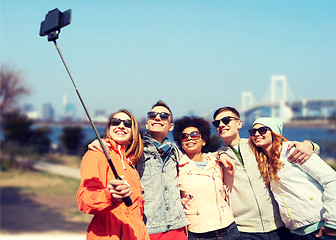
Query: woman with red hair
(306,194)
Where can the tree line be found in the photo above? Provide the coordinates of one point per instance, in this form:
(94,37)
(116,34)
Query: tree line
(19,135)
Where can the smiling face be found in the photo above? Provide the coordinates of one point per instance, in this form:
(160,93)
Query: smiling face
(192,146)
(157,127)
(263,141)
(121,134)
(229,132)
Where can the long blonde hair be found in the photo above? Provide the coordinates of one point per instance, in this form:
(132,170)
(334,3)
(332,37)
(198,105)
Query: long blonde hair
(268,166)
(136,146)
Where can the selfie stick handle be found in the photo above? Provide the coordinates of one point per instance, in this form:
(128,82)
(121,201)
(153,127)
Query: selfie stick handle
(127,200)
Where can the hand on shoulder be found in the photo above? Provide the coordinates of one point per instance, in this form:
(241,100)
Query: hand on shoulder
(227,162)
(302,151)
(95,146)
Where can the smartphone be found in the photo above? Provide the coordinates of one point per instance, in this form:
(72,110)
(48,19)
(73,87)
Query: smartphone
(55,20)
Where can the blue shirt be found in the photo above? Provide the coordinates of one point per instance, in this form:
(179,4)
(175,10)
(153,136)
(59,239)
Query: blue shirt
(201,165)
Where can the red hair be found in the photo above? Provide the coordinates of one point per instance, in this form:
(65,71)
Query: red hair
(268,166)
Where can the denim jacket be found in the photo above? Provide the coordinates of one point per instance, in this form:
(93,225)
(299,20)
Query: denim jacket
(163,210)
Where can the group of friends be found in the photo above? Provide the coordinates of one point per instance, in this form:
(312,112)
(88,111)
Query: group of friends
(263,187)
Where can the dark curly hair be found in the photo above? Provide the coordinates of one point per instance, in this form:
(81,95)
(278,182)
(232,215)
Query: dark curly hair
(201,124)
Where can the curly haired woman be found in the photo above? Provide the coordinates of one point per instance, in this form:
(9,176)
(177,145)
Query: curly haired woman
(201,184)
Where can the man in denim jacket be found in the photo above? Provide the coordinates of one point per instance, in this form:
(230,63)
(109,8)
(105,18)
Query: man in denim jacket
(158,169)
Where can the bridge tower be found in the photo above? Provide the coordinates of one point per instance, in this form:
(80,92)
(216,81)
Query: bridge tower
(279,96)
(278,80)
(247,101)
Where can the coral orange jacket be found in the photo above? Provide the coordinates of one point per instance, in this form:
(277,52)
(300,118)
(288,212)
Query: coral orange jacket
(111,219)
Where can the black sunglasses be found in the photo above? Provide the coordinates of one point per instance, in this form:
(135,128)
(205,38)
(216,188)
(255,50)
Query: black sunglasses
(261,130)
(116,122)
(195,135)
(163,115)
(224,120)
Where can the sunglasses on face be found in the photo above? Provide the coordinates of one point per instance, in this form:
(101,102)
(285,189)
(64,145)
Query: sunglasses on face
(194,136)
(261,130)
(225,120)
(163,115)
(116,122)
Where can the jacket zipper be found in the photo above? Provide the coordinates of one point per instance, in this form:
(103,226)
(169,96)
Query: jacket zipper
(283,199)
(255,197)
(214,181)
(191,196)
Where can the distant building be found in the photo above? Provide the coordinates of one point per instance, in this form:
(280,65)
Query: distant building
(100,116)
(69,113)
(48,112)
(30,111)
(27,107)
(69,109)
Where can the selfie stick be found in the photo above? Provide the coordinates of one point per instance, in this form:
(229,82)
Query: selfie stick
(127,200)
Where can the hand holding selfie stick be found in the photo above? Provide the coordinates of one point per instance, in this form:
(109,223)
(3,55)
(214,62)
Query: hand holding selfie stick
(54,21)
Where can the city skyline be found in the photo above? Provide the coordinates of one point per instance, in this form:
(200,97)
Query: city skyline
(68,112)
(194,55)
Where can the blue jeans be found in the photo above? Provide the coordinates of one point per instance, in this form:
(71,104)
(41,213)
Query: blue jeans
(311,236)
(278,234)
(229,233)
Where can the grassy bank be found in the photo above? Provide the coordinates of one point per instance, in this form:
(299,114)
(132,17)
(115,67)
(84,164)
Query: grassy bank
(38,202)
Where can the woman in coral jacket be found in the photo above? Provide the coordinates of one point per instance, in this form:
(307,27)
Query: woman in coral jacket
(201,184)
(101,194)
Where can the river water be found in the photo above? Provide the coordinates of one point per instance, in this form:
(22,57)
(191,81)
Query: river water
(318,135)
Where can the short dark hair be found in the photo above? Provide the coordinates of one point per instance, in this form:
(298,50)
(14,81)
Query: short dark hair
(224,109)
(163,104)
(201,124)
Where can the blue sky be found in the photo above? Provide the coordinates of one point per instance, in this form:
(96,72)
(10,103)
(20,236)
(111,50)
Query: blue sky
(195,55)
